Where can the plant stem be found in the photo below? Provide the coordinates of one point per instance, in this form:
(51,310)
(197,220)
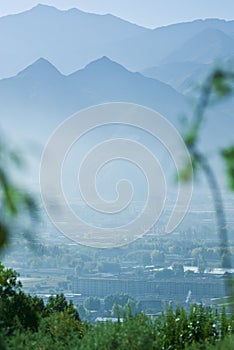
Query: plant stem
(220,219)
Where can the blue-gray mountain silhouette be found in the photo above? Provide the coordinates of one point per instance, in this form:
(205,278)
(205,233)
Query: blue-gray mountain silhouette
(42,97)
(191,63)
(71,39)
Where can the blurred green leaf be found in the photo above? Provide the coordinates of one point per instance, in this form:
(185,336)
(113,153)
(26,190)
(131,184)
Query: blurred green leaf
(16,159)
(228,156)
(4,232)
(188,171)
(14,201)
(220,83)
(191,137)
(9,196)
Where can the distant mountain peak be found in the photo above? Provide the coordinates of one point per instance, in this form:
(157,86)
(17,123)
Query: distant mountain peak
(76,11)
(44,7)
(104,63)
(103,67)
(42,60)
(41,66)
(104,59)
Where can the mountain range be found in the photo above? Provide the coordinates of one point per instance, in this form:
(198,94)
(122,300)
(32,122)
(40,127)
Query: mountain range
(35,101)
(54,63)
(195,59)
(58,63)
(40,96)
(68,39)
(71,39)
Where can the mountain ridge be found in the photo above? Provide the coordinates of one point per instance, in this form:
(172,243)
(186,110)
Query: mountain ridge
(41,95)
(72,38)
(210,43)
(41,64)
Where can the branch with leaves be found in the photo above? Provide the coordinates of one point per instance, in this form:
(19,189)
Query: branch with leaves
(218,85)
(13,200)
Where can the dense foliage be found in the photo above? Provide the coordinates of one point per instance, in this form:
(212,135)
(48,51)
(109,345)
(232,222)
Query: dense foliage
(27,323)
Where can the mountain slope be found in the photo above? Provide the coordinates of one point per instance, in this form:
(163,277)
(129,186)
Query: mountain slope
(152,48)
(40,97)
(173,73)
(34,102)
(69,39)
(190,64)
(206,47)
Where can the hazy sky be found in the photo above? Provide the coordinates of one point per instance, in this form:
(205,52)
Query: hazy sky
(151,13)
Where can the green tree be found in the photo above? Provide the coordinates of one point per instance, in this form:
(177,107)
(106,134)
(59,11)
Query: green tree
(92,303)
(59,303)
(9,284)
(82,311)
(61,327)
(17,310)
